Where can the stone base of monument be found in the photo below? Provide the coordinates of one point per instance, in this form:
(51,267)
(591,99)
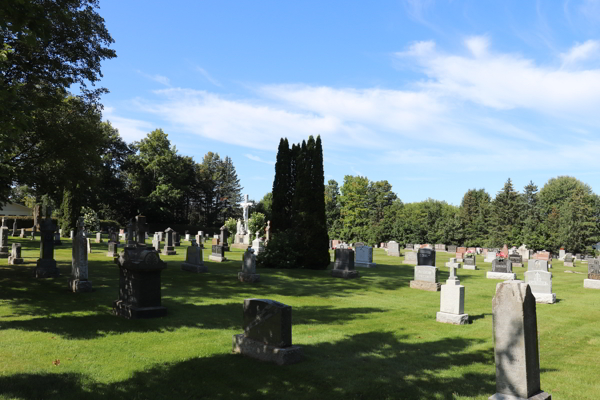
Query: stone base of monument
(193,268)
(112,254)
(539,396)
(264,352)
(505,276)
(454,319)
(46,269)
(568,264)
(428,286)
(545,298)
(409,262)
(344,273)
(218,258)
(364,265)
(79,286)
(471,267)
(14,261)
(4,252)
(240,246)
(169,251)
(519,265)
(128,311)
(250,278)
(460,260)
(393,253)
(591,283)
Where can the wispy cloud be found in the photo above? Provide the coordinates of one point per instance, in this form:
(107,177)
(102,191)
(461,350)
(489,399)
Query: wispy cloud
(208,77)
(580,53)
(163,80)
(258,159)
(129,129)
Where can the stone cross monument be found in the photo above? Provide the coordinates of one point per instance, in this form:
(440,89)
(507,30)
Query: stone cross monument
(245,206)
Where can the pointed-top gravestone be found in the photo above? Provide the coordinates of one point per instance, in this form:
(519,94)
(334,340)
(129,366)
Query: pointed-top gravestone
(169,249)
(46,264)
(79,264)
(4,253)
(194,261)
(248,273)
(516,343)
(15,255)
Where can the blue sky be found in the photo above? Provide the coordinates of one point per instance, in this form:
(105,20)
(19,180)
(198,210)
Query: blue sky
(437,97)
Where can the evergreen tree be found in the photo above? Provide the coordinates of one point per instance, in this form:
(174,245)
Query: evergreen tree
(578,228)
(332,209)
(69,212)
(504,217)
(354,208)
(474,215)
(530,215)
(281,206)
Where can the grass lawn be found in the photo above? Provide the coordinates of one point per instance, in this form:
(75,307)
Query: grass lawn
(367,338)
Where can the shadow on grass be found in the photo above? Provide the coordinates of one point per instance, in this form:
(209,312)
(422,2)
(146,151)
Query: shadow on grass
(369,365)
(210,316)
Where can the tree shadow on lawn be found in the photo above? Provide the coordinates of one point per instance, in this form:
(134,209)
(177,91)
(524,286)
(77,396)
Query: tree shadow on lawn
(209,316)
(368,365)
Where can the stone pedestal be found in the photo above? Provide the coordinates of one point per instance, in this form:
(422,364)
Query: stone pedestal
(79,286)
(452,302)
(46,265)
(545,298)
(78,282)
(505,276)
(516,343)
(265,352)
(471,267)
(113,250)
(248,278)
(4,242)
(428,286)
(454,319)
(591,283)
(568,263)
(169,249)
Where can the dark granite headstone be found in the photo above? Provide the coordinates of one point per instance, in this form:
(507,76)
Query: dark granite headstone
(451,249)
(176,239)
(169,249)
(504,265)
(594,269)
(223,238)
(193,260)
(140,268)
(343,266)
(46,264)
(515,258)
(470,260)
(218,250)
(426,257)
(268,322)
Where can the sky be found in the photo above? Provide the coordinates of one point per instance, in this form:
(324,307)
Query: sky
(436,97)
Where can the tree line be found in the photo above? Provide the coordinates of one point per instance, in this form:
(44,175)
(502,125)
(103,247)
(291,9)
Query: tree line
(565,213)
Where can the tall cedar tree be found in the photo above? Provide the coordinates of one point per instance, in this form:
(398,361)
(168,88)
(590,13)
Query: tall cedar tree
(281,206)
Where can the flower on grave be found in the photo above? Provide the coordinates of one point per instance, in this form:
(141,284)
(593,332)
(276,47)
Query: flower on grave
(500,256)
(470,254)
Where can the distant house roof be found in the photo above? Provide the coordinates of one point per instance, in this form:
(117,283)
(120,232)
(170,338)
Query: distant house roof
(15,209)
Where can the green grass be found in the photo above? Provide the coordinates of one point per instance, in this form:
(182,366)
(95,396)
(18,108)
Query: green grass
(368,338)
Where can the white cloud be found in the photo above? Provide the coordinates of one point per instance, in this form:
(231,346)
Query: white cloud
(163,80)
(478,45)
(509,81)
(129,129)
(208,77)
(258,159)
(580,52)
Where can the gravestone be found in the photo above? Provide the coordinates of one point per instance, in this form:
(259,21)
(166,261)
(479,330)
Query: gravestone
(501,269)
(15,254)
(99,237)
(426,257)
(194,262)
(364,257)
(140,268)
(470,262)
(113,250)
(161,236)
(268,233)
(451,248)
(258,244)
(410,258)
(57,240)
(218,253)
(524,252)
(490,256)
(89,245)
(72,234)
(78,282)
(561,254)
(537,265)
(113,237)
(452,263)
(46,264)
(156,242)
(516,343)
(460,253)
(14,231)
(516,260)
(248,273)
(223,238)
(169,249)
(22,235)
(176,239)
(343,266)
(568,262)
(200,239)
(425,278)
(267,333)
(4,253)
(187,236)
(452,302)
(409,246)
(593,279)
(393,249)
(540,282)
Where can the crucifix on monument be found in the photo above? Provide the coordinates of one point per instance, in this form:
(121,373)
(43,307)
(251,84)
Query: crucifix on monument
(245,206)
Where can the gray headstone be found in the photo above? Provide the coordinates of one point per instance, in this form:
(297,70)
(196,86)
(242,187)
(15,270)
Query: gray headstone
(594,269)
(516,342)
(426,273)
(364,254)
(537,265)
(249,262)
(539,281)
(268,322)
(504,266)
